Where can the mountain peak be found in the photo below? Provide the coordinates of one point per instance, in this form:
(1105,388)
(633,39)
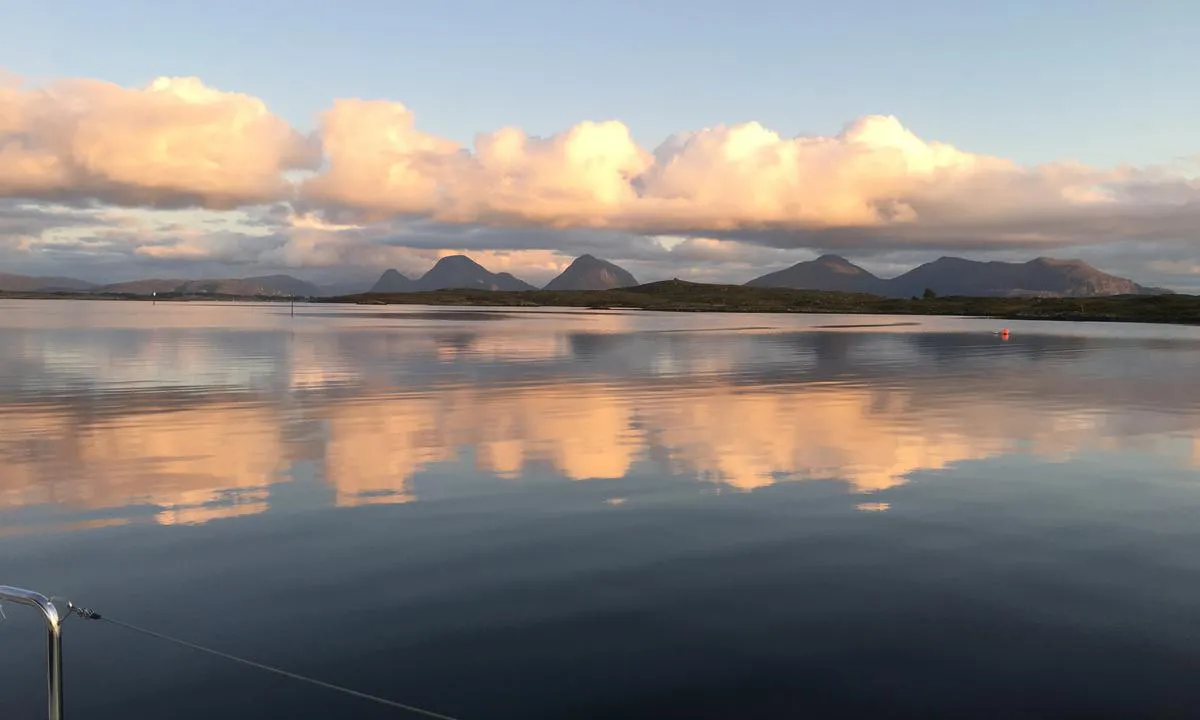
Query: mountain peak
(392,281)
(828,272)
(839,264)
(461,272)
(457,261)
(588,272)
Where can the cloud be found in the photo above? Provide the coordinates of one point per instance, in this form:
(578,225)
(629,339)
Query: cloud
(21,220)
(378,160)
(594,174)
(875,184)
(583,177)
(175,142)
(747,176)
(370,187)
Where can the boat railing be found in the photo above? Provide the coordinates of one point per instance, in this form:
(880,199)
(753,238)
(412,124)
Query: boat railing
(54,671)
(54,663)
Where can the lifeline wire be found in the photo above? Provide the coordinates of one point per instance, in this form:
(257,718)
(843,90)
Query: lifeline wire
(88,614)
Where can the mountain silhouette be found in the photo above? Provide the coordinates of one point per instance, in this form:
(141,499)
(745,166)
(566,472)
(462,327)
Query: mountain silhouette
(1046,277)
(29,283)
(828,272)
(392,281)
(1041,277)
(461,272)
(587,272)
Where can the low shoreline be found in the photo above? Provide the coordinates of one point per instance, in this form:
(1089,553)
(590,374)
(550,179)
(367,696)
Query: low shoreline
(682,296)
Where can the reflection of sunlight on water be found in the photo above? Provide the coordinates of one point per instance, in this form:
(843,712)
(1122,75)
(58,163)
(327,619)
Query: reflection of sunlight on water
(199,422)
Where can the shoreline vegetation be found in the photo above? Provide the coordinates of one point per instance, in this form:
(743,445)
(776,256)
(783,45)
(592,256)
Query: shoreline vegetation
(683,296)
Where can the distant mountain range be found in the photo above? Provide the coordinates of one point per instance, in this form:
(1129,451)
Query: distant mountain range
(269,285)
(459,272)
(1042,277)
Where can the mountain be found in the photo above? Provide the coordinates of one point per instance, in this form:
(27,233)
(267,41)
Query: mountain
(267,285)
(591,273)
(392,281)
(29,283)
(460,271)
(828,272)
(1042,277)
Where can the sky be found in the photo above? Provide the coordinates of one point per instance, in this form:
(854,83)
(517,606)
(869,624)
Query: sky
(705,140)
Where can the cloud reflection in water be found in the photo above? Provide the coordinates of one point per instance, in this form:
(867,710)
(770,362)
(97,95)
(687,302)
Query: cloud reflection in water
(209,420)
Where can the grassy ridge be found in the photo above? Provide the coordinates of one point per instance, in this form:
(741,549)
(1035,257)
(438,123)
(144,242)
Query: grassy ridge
(681,296)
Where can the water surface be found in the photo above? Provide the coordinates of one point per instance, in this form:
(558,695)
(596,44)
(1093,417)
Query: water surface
(554,513)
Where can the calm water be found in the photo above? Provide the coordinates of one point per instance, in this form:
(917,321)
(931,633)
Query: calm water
(600,515)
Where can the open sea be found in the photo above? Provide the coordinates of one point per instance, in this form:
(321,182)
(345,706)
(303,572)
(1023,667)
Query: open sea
(569,514)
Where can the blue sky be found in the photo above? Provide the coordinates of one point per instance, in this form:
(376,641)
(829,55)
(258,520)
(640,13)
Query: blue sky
(1106,84)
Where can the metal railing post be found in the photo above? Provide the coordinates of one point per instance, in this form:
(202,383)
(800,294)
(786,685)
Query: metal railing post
(54,684)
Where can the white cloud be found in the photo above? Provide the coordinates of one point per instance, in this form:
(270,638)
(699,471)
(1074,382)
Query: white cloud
(371,188)
(175,142)
(378,160)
